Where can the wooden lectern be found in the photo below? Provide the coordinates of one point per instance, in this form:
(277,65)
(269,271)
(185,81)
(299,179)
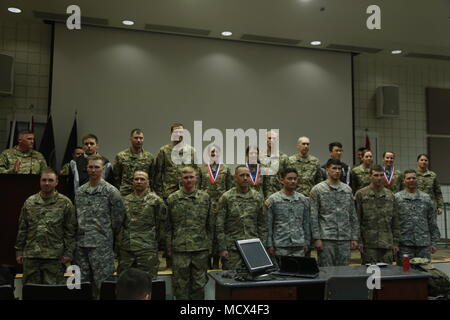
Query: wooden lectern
(14,190)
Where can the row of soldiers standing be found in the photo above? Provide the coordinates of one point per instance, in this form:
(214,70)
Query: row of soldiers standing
(240,225)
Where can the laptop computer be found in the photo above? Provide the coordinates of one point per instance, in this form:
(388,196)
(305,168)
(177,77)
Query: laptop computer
(302,267)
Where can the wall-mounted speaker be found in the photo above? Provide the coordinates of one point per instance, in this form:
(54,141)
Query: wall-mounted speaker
(388,101)
(6,75)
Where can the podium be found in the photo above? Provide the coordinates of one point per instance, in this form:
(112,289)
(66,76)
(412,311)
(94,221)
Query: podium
(14,190)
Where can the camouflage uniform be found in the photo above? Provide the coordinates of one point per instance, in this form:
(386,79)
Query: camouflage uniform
(32,161)
(360,177)
(334,221)
(224,182)
(378,220)
(418,228)
(272,182)
(100,213)
(309,173)
(396,183)
(141,230)
(46,233)
(189,238)
(427,182)
(65,170)
(127,162)
(167,173)
(288,223)
(240,216)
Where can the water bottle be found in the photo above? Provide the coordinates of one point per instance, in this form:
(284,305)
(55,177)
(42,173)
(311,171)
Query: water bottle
(406,264)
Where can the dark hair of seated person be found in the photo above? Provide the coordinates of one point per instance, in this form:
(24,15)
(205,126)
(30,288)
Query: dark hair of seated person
(134,284)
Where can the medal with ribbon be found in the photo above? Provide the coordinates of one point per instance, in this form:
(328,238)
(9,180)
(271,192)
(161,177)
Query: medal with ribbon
(213,175)
(254,177)
(391,176)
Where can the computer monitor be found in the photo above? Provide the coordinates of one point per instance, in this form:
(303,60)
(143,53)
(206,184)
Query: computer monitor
(256,258)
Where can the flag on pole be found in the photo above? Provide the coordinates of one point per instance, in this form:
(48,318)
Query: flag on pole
(47,147)
(367,141)
(13,134)
(72,143)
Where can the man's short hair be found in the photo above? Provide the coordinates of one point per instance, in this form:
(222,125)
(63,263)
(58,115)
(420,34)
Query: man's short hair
(409,171)
(334,144)
(133,284)
(288,170)
(238,167)
(174,125)
(23,132)
(90,136)
(302,138)
(333,162)
(423,155)
(377,168)
(361,149)
(141,171)
(78,147)
(384,153)
(137,130)
(96,157)
(187,169)
(49,171)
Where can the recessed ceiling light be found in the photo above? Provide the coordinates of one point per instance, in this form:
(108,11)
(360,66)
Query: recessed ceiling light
(315,43)
(128,22)
(227,33)
(396,51)
(14,10)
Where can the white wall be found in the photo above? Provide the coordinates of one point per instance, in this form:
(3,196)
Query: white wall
(30,45)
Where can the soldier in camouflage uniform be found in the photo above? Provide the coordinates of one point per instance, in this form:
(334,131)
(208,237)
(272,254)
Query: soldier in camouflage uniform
(189,237)
(419,232)
(46,236)
(100,213)
(334,223)
(77,152)
(427,182)
(360,175)
(378,218)
(241,216)
(22,159)
(392,177)
(215,178)
(288,217)
(130,160)
(274,162)
(167,173)
(307,166)
(141,228)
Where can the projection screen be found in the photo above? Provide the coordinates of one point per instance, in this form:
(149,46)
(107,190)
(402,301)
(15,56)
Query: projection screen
(118,80)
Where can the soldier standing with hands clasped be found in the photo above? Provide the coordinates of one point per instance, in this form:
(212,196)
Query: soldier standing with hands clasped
(189,237)
(46,236)
(378,218)
(418,229)
(334,223)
